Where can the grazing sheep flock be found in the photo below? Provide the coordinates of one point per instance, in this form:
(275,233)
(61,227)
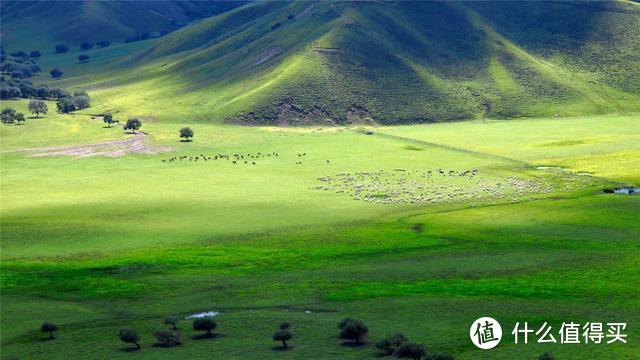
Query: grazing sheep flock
(402,186)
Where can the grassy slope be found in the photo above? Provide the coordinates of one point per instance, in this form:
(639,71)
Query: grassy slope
(95,255)
(382,57)
(30,25)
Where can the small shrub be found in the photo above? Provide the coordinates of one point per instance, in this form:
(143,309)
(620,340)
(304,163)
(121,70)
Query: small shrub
(50,328)
(352,329)
(283,335)
(205,324)
(166,337)
(129,336)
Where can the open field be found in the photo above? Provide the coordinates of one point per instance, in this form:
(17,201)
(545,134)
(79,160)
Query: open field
(98,243)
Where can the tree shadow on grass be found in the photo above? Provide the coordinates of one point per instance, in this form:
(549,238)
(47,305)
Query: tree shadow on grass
(282,348)
(164,345)
(206,336)
(186,140)
(129,349)
(47,339)
(353,344)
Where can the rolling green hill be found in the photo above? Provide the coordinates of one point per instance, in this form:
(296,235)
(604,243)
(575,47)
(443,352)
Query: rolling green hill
(384,62)
(39,24)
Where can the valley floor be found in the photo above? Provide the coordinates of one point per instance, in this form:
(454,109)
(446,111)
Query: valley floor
(420,229)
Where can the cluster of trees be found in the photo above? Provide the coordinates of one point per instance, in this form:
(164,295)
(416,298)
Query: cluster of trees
(19,65)
(12,89)
(350,329)
(78,101)
(171,336)
(11,116)
(85,45)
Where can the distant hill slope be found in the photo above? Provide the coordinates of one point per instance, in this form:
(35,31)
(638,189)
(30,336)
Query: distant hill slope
(40,24)
(387,62)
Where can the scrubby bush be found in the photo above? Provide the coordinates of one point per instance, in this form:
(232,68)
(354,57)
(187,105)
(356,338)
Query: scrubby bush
(49,327)
(352,329)
(129,336)
(186,133)
(37,107)
(389,344)
(107,118)
(83,58)
(166,337)
(35,54)
(411,351)
(203,324)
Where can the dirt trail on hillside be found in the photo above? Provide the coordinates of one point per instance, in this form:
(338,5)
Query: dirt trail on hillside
(113,148)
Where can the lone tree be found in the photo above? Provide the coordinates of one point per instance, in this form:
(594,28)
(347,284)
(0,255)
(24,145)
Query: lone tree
(205,324)
(108,119)
(411,351)
(19,118)
(129,336)
(352,329)
(170,320)
(38,107)
(133,124)
(56,73)
(102,43)
(83,58)
(389,344)
(166,337)
(50,328)
(186,133)
(283,334)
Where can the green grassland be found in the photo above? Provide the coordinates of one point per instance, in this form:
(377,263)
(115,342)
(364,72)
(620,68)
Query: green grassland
(96,244)
(344,221)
